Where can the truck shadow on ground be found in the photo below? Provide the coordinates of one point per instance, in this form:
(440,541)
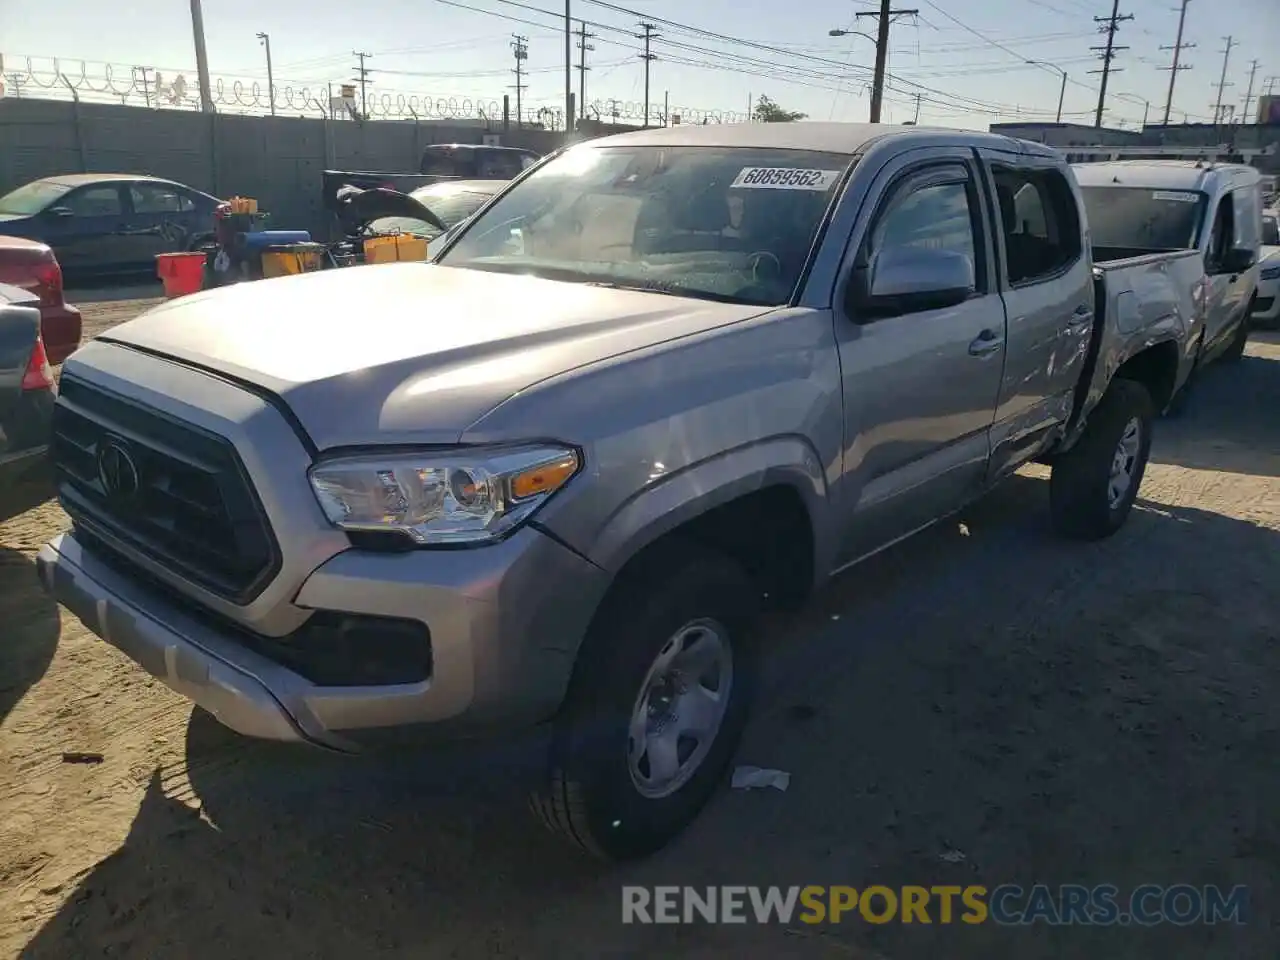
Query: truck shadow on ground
(29,628)
(1231,421)
(1037,711)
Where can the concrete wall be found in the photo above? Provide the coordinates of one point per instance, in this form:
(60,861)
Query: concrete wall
(1068,134)
(277,160)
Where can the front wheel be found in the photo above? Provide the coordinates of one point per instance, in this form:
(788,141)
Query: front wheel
(1094,484)
(656,707)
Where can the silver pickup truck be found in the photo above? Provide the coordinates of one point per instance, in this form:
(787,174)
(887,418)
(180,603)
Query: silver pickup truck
(663,378)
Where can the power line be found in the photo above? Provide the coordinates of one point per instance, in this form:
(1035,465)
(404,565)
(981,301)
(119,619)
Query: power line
(1177,48)
(648,36)
(520,51)
(1223,82)
(995,43)
(972,104)
(1109,26)
(842,67)
(362,78)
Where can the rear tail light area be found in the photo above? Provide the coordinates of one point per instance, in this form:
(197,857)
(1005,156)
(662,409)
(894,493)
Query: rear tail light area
(39,375)
(49,283)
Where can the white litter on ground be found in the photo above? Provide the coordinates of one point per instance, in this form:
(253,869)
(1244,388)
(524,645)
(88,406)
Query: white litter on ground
(757,778)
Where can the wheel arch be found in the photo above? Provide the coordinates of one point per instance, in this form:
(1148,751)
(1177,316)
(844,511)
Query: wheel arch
(765,505)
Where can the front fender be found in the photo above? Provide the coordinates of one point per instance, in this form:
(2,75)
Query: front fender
(675,499)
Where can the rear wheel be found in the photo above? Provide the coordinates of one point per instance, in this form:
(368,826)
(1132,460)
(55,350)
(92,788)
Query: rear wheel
(657,705)
(1094,484)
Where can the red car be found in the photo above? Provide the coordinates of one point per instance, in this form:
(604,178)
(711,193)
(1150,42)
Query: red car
(32,266)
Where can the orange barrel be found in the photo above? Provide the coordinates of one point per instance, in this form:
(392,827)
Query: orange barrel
(181,273)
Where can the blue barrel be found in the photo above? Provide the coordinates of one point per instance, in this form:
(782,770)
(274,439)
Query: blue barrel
(271,238)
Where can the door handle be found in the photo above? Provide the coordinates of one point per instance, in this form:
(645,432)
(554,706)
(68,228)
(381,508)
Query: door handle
(986,343)
(1081,318)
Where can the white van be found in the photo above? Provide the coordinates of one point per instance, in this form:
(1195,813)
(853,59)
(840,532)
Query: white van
(1150,206)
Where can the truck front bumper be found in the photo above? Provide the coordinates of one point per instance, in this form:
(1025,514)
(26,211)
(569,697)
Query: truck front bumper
(504,623)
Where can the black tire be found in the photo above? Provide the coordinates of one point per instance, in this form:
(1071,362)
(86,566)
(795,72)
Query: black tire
(589,796)
(1235,349)
(1079,497)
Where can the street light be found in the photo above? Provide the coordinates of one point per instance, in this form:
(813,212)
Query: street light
(877,87)
(1134,98)
(271,80)
(851,33)
(1062,92)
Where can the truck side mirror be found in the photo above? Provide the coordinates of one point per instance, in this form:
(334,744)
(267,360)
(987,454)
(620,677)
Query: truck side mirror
(906,279)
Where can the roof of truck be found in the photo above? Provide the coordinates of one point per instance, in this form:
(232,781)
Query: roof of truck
(848,138)
(1161,174)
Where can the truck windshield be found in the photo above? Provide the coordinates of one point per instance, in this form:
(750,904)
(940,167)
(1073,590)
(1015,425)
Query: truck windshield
(1138,218)
(729,224)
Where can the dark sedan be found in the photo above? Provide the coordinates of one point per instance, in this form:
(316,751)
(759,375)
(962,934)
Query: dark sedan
(105,223)
(26,400)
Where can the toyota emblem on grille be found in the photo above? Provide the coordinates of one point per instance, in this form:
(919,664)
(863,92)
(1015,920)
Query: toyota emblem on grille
(116,469)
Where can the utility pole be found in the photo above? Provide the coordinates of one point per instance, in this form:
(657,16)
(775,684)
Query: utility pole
(1109,26)
(916,118)
(1248,97)
(583,49)
(1222,81)
(271,82)
(1177,48)
(570,121)
(520,50)
(202,57)
(886,16)
(648,58)
(362,78)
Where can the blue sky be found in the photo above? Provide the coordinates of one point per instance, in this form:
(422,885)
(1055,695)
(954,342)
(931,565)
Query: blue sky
(965,60)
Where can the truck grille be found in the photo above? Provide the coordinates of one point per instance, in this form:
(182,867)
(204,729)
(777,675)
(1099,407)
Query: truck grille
(172,491)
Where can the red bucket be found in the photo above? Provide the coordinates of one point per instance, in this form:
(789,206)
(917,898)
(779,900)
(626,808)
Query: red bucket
(181,273)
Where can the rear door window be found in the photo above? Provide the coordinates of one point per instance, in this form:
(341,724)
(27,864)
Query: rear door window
(158,198)
(1039,222)
(96,201)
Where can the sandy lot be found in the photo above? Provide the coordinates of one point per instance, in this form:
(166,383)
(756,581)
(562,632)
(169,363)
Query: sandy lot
(1054,712)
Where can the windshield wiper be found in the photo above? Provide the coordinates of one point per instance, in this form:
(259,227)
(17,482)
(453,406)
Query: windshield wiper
(670,290)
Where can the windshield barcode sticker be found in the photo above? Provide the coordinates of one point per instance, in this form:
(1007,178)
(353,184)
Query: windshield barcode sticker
(785,178)
(1174,195)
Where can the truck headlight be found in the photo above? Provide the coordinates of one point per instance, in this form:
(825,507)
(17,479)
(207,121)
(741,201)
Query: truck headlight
(448,497)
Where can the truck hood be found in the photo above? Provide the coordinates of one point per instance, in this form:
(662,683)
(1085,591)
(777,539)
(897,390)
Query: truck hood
(410,352)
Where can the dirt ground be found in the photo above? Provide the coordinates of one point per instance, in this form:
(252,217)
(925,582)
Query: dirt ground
(1055,712)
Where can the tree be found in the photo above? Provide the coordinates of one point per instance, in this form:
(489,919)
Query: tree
(767,111)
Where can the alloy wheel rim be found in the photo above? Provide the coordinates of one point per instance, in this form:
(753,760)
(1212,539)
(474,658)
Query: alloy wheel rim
(1124,463)
(680,708)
